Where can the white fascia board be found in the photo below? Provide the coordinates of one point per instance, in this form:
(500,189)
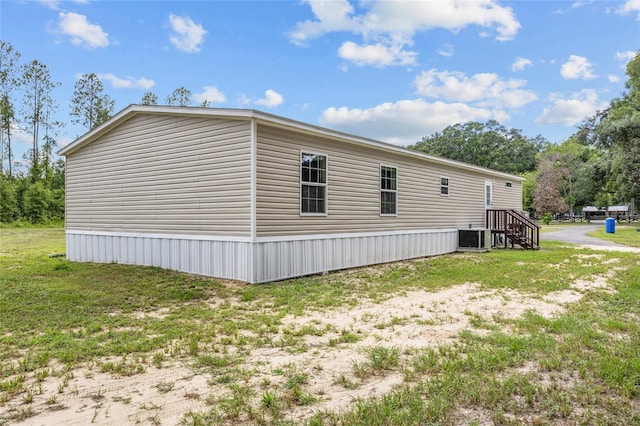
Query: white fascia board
(372,143)
(259,239)
(134,109)
(96,131)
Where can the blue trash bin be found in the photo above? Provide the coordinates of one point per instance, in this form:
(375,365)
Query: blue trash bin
(610,225)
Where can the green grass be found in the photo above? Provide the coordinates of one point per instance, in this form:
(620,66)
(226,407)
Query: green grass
(580,367)
(624,234)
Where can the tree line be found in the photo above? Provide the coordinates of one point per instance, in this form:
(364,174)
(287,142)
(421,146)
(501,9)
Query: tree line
(598,165)
(32,187)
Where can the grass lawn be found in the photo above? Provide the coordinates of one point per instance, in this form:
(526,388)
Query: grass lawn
(625,234)
(506,337)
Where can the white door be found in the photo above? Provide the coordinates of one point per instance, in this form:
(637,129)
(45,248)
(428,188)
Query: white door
(488,194)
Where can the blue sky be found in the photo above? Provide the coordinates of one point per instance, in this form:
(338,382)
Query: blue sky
(393,70)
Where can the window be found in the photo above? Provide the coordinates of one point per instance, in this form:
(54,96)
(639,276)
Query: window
(508,184)
(388,190)
(444,186)
(313,183)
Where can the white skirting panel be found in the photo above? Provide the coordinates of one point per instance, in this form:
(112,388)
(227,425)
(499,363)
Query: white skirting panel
(261,261)
(215,258)
(277,260)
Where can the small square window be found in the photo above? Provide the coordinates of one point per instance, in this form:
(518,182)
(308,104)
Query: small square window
(508,184)
(388,190)
(313,183)
(444,186)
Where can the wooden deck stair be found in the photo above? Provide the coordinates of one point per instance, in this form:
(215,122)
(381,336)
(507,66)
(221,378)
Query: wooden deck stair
(511,227)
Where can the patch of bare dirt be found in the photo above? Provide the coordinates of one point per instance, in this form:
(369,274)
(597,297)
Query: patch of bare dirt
(410,321)
(157,396)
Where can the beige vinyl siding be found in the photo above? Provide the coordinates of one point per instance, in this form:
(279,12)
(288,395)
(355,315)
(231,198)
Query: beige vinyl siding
(163,174)
(354,189)
(507,198)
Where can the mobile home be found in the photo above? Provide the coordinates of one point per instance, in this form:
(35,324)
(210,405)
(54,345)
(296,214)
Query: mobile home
(250,196)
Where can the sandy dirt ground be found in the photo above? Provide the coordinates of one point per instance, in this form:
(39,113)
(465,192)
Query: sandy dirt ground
(416,319)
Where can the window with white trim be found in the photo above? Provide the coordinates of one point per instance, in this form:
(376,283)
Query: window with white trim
(444,186)
(508,184)
(313,183)
(388,190)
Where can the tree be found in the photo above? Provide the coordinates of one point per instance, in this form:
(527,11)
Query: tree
(37,201)
(7,117)
(9,58)
(46,159)
(36,195)
(617,129)
(149,98)
(89,105)
(528,189)
(37,102)
(589,176)
(488,145)
(8,202)
(551,177)
(580,164)
(180,97)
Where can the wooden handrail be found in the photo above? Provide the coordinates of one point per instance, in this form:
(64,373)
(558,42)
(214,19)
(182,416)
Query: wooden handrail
(515,226)
(524,218)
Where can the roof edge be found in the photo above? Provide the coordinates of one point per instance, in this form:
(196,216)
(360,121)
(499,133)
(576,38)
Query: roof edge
(269,119)
(135,109)
(361,140)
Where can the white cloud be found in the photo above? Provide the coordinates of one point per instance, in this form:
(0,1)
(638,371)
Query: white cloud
(625,56)
(386,27)
(19,134)
(51,4)
(485,89)
(578,4)
(630,6)
(577,67)
(330,16)
(405,121)
(55,4)
(64,140)
(377,54)
(520,64)
(446,50)
(613,78)
(127,82)
(271,99)
(210,94)
(570,111)
(186,35)
(82,32)
(408,17)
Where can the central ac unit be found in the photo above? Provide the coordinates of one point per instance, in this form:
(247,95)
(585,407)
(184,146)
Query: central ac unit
(472,239)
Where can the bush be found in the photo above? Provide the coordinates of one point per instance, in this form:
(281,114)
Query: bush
(37,200)
(8,202)
(546,218)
